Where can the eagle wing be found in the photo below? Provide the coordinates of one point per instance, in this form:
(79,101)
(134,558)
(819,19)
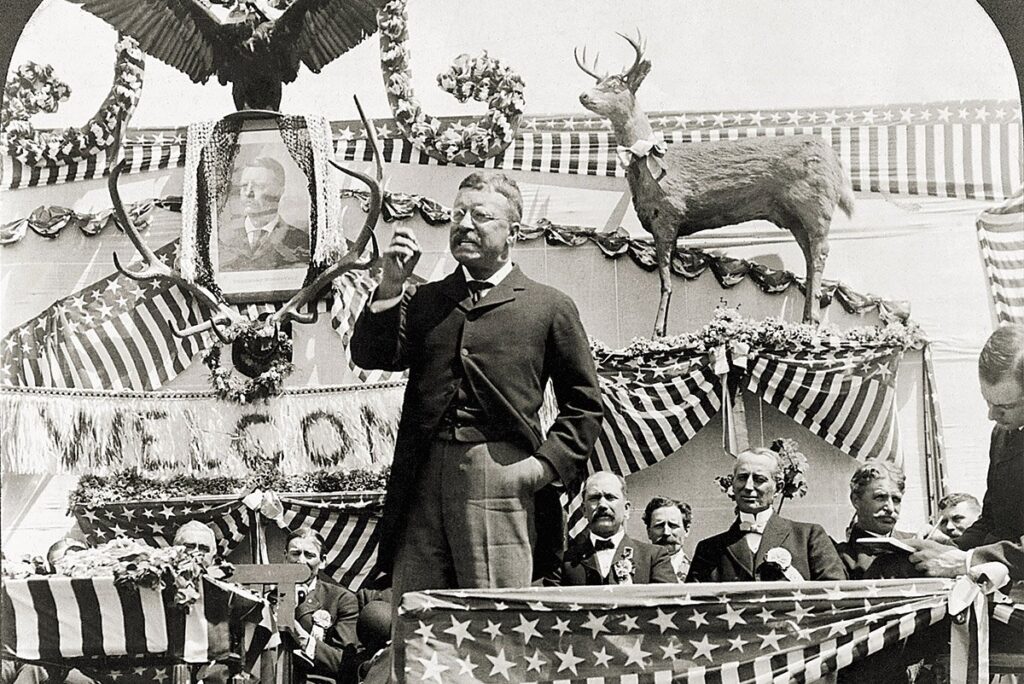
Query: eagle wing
(319,31)
(182,33)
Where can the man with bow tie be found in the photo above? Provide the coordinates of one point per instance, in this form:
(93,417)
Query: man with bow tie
(325,615)
(762,545)
(262,240)
(606,554)
(470,501)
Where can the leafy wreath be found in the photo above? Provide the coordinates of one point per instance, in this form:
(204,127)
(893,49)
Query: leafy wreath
(33,88)
(229,386)
(480,78)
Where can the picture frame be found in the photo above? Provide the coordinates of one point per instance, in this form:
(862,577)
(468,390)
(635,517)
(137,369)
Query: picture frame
(261,249)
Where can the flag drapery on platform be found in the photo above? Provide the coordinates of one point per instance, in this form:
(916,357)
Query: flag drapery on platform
(1001,238)
(731,633)
(61,617)
(346,520)
(947,149)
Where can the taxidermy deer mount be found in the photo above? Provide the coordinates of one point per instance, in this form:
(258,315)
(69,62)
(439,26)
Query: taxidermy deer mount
(795,182)
(255,344)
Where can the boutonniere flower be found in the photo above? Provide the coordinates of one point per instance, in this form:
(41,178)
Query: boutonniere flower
(624,569)
(778,565)
(321,621)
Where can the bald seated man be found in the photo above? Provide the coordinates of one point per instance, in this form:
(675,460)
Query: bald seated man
(606,554)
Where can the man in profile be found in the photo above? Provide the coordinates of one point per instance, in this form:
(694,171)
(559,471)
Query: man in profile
(606,554)
(761,545)
(668,524)
(262,239)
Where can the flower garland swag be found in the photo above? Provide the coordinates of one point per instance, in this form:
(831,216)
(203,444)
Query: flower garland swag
(259,387)
(33,88)
(480,78)
(131,485)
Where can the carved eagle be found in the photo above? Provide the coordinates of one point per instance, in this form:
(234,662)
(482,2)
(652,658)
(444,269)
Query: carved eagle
(256,45)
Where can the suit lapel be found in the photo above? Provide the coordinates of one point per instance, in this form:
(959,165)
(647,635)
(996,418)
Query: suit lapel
(313,602)
(775,534)
(454,287)
(584,561)
(739,550)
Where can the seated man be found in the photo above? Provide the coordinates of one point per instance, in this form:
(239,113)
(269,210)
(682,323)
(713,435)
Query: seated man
(760,544)
(606,555)
(199,539)
(876,492)
(668,524)
(957,512)
(325,613)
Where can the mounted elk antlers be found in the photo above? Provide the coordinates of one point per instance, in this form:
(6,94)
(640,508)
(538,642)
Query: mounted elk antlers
(260,340)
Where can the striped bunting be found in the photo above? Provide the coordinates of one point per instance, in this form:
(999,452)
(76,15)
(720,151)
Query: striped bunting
(847,396)
(651,409)
(155,523)
(351,293)
(116,334)
(1001,238)
(97,617)
(946,149)
(348,524)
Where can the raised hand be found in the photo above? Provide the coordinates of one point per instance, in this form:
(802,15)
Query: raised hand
(398,260)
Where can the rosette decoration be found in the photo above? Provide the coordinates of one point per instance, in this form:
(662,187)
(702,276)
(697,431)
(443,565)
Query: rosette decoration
(33,88)
(482,78)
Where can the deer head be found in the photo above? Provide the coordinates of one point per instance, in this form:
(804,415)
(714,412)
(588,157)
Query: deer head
(257,342)
(614,96)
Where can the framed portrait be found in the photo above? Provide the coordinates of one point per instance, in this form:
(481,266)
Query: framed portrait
(261,250)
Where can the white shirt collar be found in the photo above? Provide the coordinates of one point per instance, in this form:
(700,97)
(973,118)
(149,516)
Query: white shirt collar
(761,518)
(251,228)
(495,278)
(605,556)
(615,539)
(308,588)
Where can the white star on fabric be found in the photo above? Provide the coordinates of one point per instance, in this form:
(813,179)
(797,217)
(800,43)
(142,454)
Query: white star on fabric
(872,590)
(636,654)
(528,628)
(595,625)
(837,628)
(766,615)
(90,515)
(157,528)
(535,662)
(118,530)
(537,606)
(799,613)
(500,605)
(664,621)
(981,114)
(704,648)
(128,513)
(167,512)
(561,626)
(906,115)
(772,638)
(737,644)
(834,594)
(671,651)
(160,675)
(425,631)
(698,619)
(460,630)
(629,623)
(466,666)
(432,668)
(147,512)
(568,659)
(494,629)
(798,595)
(794,117)
(501,665)
(733,617)
(601,657)
(805,633)
(869,116)
(575,607)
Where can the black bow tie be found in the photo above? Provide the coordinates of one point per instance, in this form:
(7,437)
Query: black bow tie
(603,544)
(477,288)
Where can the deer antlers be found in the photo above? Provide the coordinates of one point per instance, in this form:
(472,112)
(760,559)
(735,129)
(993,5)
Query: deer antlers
(638,45)
(223,315)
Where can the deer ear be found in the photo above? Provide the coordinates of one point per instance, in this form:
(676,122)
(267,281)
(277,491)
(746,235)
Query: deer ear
(634,79)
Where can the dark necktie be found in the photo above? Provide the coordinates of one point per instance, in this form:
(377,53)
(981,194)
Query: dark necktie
(603,544)
(477,288)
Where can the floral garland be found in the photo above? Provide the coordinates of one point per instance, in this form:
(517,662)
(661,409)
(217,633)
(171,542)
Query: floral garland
(33,88)
(480,78)
(131,485)
(729,327)
(791,481)
(229,386)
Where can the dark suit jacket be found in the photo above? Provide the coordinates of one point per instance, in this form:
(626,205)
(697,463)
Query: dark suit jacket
(1001,524)
(652,565)
(339,640)
(506,347)
(286,245)
(863,561)
(726,557)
